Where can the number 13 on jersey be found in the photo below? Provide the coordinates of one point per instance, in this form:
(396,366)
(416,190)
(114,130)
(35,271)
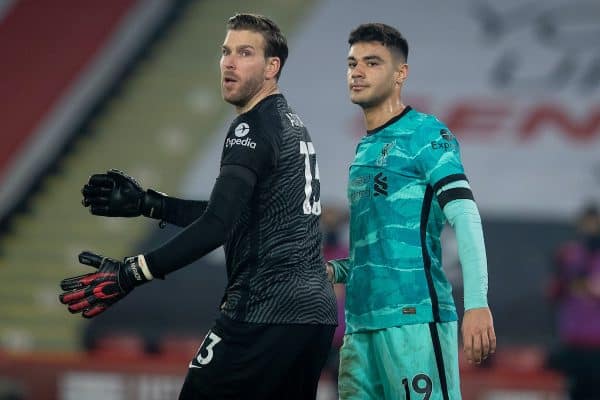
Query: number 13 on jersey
(312,201)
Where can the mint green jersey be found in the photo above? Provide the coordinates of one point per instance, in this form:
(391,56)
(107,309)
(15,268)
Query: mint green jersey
(395,274)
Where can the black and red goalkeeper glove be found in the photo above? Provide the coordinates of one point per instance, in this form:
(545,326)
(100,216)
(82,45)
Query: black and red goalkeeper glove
(93,293)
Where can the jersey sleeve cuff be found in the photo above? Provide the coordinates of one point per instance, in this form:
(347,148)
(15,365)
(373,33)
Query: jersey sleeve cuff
(475,303)
(144,267)
(340,270)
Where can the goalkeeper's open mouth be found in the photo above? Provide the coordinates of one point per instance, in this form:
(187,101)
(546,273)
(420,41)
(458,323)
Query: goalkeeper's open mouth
(229,79)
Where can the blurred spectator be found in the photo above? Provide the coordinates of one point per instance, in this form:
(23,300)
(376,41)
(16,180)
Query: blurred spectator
(10,390)
(575,290)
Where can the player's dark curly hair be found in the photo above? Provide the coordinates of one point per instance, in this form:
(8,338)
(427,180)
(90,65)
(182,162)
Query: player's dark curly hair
(276,44)
(382,33)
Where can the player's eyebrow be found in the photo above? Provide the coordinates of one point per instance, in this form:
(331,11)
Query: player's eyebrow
(367,58)
(372,58)
(238,48)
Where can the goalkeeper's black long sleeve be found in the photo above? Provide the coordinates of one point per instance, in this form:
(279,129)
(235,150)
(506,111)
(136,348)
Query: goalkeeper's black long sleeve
(232,191)
(182,212)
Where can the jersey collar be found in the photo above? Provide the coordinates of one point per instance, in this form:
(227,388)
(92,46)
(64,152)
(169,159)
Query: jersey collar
(390,122)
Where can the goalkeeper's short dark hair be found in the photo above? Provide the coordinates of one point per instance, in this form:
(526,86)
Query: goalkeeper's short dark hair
(275,41)
(387,35)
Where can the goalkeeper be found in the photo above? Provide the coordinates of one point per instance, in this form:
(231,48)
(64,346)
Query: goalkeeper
(278,313)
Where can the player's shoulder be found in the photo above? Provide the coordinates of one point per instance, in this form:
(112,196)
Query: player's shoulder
(261,119)
(252,130)
(273,116)
(284,124)
(264,113)
(429,128)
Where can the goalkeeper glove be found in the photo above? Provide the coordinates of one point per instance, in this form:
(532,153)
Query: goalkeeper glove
(116,194)
(93,293)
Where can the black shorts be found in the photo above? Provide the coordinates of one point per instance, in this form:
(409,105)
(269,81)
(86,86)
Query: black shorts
(239,360)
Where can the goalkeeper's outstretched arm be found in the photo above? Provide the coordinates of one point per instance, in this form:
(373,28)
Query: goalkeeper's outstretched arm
(116,194)
(91,294)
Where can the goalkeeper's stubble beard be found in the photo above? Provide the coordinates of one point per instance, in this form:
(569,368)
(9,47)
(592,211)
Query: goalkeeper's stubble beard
(242,91)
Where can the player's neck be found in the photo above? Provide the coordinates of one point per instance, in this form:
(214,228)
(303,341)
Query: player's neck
(265,91)
(381,113)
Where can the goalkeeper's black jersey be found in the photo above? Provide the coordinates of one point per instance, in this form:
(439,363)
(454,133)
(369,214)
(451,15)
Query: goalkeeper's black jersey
(275,266)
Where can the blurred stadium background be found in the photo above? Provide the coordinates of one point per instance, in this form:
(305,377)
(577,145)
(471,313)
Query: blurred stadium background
(133,84)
